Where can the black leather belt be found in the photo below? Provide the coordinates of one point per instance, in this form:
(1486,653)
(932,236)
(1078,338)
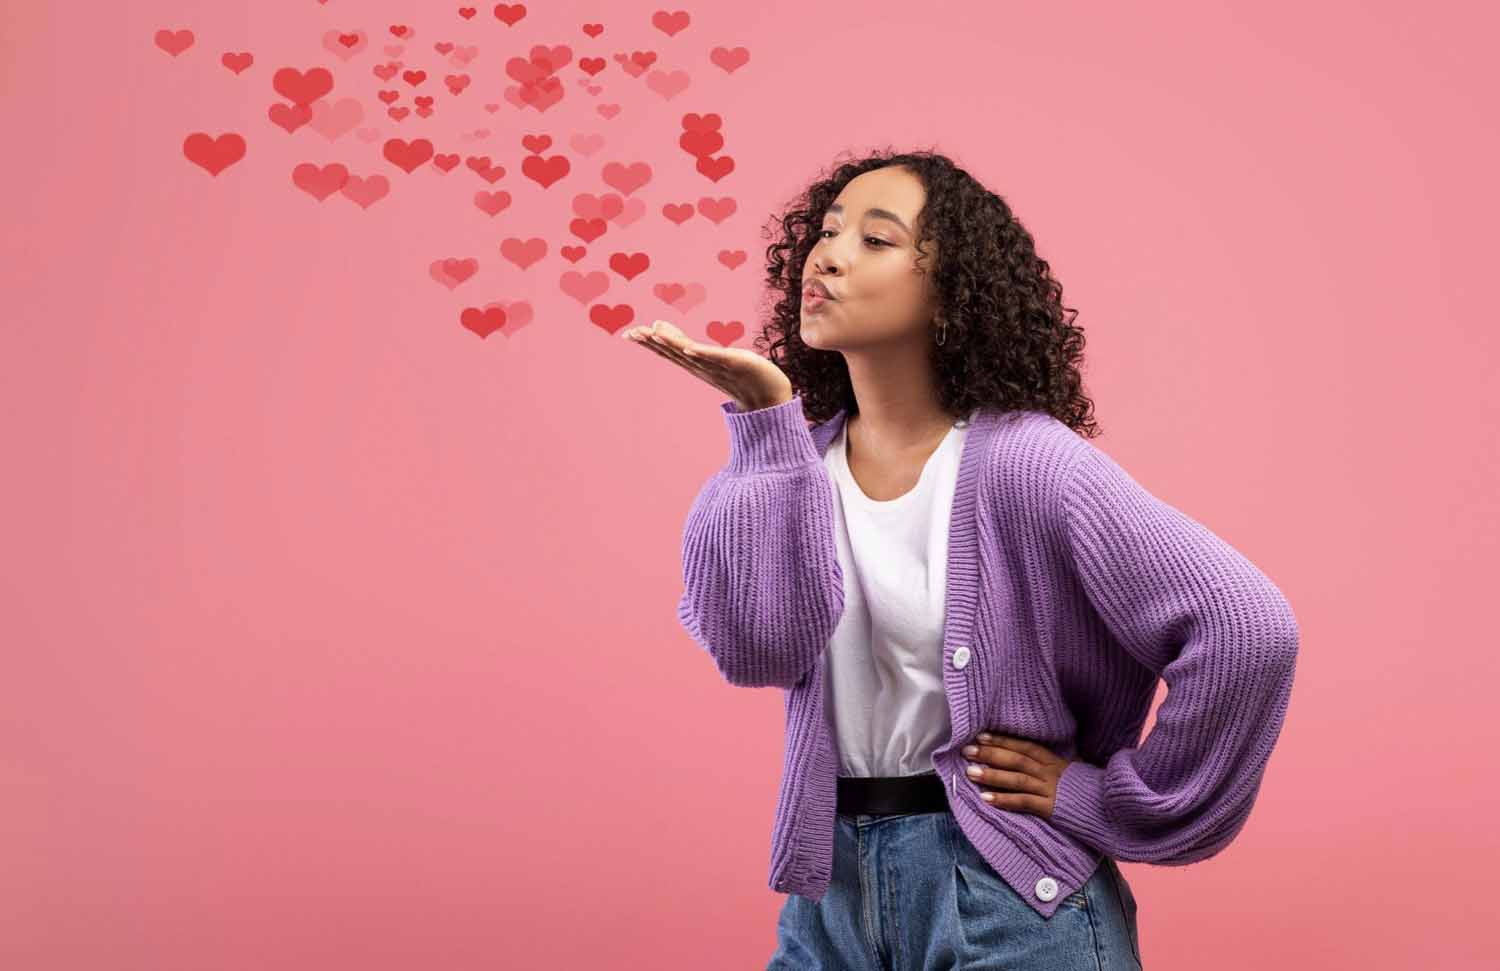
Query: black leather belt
(889,795)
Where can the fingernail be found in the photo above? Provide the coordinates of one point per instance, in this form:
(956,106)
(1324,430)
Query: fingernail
(983,737)
(971,750)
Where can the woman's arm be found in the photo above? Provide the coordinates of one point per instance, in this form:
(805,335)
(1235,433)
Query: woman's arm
(1190,607)
(763,590)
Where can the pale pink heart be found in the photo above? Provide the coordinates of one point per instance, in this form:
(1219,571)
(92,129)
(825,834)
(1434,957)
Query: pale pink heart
(491,107)
(586,144)
(668,84)
(669,293)
(583,287)
(367,135)
(540,95)
(731,258)
(518,314)
(671,23)
(523,253)
(461,56)
(590,206)
(607,111)
(368,190)
(461,269)
(554,58)
(630,65)
(626,178)
(333,121)
(695,294)
(492,202)
(393,50)
(594,88)
(729,60)
(633,210)
(717,210)
(344,52)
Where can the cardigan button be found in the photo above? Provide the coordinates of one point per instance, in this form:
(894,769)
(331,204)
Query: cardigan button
(961,658)
(1046,888)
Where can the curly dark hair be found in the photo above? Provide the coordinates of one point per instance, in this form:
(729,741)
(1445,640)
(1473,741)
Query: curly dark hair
(1010,344)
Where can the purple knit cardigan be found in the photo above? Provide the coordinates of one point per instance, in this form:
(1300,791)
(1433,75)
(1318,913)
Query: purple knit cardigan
(1073,589)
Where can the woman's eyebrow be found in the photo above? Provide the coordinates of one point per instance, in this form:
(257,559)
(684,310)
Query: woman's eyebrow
(874,213)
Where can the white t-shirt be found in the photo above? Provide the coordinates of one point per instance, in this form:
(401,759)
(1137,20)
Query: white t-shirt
(884,679)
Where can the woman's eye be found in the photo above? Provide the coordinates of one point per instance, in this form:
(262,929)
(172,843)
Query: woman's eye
(874,239)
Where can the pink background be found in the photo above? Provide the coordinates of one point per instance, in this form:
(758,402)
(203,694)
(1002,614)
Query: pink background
(338,637)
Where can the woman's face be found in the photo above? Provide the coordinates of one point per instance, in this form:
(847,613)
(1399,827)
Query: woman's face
(866,256)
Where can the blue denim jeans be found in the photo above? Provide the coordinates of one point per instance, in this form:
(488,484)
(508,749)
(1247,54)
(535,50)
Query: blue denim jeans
(911,893)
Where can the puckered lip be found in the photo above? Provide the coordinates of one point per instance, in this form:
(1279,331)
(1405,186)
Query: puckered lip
(818,287)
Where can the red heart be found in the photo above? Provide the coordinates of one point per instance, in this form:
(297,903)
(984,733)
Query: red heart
(290,117)
(467,12)
(445,162)
(611,318)
(510,13)
(408,156)
(320,182)
(700,143)
(482,322)
(174,42)
(214,154)
(588,230)
(726,333)
(536,143)
(302,88)
(544,172)
(729,60)
(717,168)
(670,23)
(629,265)
(717,210)
(237,62)
(593,30)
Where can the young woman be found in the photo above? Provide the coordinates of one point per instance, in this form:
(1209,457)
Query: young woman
(967,603)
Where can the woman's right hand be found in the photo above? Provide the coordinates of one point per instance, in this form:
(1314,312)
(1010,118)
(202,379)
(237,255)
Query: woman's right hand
(751,380)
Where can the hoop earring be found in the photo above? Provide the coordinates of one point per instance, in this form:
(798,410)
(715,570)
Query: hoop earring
(943,334)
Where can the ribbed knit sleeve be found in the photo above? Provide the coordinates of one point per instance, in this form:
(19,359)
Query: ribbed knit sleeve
(762,586)
(1186,604)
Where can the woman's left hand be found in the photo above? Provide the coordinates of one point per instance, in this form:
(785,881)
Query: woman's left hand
(1016,773)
